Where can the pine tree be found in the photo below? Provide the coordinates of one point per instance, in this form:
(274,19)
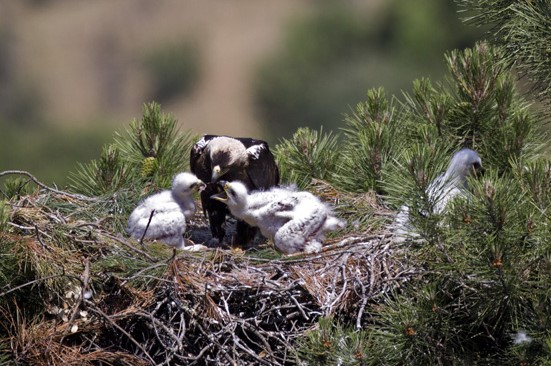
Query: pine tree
(371,138)
(151,152)
(483,295)
(522,29)
(307,155)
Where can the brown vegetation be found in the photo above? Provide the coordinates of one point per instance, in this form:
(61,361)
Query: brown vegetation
(102,298)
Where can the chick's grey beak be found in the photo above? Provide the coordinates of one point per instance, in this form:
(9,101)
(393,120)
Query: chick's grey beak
(479,170)
(201,186)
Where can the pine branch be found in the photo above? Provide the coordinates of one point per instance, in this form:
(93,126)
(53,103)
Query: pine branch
(522,29)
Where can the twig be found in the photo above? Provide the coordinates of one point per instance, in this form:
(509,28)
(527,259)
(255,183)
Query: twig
(20,227)
(42,185)
(137,274)
(151,259)
(39,238)
(156,322)
(97,310)
(220,347)
(251,353)
(147,227)
(38,280)
(362,307)
(299,307)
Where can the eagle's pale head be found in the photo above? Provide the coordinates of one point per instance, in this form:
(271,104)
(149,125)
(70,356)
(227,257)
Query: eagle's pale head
(226,153)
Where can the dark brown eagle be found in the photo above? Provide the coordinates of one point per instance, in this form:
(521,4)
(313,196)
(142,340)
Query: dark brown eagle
(215,158)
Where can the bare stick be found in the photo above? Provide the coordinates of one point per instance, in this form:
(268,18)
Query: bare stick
(362,307)
(42,185)
(147,226)
(131,247)
(39,238)
(100,312)
(38,280)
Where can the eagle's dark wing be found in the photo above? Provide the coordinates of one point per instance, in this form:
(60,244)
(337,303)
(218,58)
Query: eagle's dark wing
(262,171)
(199,161)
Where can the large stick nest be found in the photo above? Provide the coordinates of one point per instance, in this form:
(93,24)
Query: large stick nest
(99,297)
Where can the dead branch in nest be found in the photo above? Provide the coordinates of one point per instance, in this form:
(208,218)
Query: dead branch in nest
(216,307)
(44,186)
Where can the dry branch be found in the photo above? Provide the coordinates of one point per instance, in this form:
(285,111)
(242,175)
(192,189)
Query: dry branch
(215,307)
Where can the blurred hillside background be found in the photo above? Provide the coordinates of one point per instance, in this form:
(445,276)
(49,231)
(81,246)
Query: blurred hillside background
(73,72)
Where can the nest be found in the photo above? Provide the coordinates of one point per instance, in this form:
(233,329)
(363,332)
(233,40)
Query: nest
(110,300)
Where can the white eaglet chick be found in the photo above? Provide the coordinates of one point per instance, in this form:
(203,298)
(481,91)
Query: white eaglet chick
(444,188)
(296,221)
(170,209)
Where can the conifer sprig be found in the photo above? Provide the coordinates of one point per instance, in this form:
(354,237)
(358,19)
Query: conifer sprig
(521,28)
(154,146)
(151,152)
(371,139)
(485,258)
(308,154)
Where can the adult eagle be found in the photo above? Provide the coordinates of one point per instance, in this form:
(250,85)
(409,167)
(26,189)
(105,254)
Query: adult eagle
(214,158)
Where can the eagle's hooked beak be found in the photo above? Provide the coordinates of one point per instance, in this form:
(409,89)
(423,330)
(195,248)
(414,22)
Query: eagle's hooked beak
(217,172)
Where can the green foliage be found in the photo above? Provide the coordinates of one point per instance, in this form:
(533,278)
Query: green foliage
(332,344)
(478,108)
(484,284)
(174,69)
(107,174)
(17,268)
(486,255)
(309,154)
(151,151)
(371,138)
(490,114)
(406,181)
(16,187)
(5,357)
(4,214)
(522,29)
(124,266)
(485,259)
(156,136)
(535,177)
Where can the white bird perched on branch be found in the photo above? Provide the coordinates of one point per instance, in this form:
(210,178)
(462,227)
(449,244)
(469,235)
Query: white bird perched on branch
(296,221)
(162,216)
(445,187)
